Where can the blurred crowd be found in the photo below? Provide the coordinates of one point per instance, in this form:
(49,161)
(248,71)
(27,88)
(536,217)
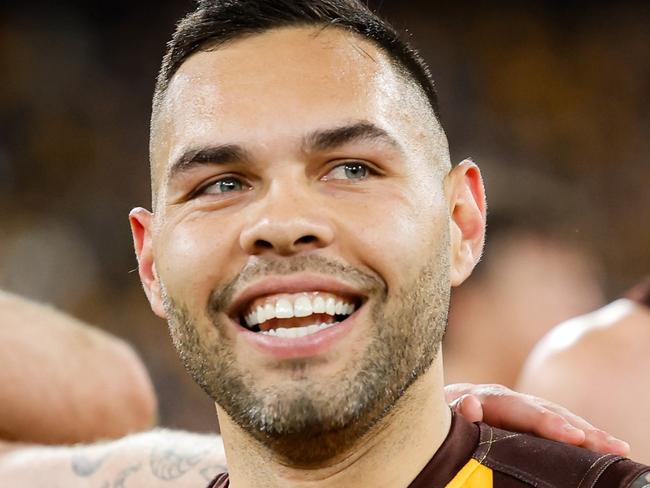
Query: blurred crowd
(551,101)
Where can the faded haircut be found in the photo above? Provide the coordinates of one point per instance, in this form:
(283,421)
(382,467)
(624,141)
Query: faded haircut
(215,22)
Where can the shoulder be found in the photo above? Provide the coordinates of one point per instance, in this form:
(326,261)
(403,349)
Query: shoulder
(525,460)
(620,321)
(602,343)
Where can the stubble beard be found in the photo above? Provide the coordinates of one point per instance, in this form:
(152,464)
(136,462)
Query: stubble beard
(307,421)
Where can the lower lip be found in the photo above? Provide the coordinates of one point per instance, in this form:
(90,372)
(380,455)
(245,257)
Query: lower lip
(299,347)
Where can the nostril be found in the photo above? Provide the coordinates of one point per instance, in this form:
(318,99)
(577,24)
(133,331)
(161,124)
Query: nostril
(262,244)
(306,240)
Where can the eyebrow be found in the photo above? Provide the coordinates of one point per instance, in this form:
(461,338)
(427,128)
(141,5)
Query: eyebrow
(221,154)
(319,140)
(327,139)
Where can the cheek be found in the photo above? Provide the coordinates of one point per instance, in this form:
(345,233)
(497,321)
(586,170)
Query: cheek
(397,234)
(192,258)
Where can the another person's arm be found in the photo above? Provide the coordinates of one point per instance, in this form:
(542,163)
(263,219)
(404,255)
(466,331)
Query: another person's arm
(181,459)
(66,382)
(151,459)
(62,381)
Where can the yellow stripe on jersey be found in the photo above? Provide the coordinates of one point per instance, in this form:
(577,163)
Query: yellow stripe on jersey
(473,475)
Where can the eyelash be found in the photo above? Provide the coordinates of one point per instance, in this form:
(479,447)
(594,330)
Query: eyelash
(371,171)
(201,190)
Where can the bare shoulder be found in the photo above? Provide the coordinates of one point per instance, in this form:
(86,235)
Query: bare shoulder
(605,339)
(595,365)
(590,363)
(154,458)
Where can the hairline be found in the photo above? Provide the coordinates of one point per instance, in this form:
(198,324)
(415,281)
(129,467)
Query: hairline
(162,84)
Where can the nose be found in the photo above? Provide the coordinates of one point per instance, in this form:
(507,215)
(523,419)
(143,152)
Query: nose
(286,224)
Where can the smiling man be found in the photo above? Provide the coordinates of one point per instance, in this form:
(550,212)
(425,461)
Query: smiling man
(307,228)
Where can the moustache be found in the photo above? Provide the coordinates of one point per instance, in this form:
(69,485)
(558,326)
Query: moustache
(365,281)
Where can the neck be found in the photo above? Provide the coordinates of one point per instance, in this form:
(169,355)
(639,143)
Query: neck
(390,455)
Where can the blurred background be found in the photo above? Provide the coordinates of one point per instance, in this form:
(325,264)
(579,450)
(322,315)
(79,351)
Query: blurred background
(551,100)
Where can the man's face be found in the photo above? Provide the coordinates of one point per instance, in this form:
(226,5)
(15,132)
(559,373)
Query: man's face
(301,231)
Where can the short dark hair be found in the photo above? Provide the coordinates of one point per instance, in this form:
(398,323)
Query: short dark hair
(215,22)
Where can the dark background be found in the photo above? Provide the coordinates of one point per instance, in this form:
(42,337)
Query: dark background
(552,101)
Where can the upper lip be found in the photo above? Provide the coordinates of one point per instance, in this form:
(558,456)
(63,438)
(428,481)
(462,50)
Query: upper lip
(272,285)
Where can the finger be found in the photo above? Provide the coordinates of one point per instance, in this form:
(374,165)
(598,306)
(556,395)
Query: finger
(554,426)
(501,407)
(595,439)
(469,407)
(521,413)
(454,391)
(554,422)
(566,414)
(600,441)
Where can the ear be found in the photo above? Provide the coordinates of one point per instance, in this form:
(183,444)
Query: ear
(141,221)
(467,207)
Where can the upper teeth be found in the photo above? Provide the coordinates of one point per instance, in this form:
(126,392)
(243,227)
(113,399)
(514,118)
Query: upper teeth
(302,306)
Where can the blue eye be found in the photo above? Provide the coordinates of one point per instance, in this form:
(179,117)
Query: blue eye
(224,185)
(349,171)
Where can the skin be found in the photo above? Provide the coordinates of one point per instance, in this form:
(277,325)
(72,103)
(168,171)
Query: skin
(145,460)
(591,362)
(530,279)
(101,403)
(266,92)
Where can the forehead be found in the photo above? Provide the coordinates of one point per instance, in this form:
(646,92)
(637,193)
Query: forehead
(276,86)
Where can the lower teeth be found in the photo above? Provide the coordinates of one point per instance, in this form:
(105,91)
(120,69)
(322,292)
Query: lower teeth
(297,331)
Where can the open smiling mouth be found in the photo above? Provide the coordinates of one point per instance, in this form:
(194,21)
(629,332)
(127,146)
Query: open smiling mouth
(297,314)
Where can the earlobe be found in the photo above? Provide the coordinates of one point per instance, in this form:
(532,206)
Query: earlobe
(141,222)
(468,213)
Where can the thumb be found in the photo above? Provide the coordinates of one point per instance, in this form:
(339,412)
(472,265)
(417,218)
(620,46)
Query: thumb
(469,407)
